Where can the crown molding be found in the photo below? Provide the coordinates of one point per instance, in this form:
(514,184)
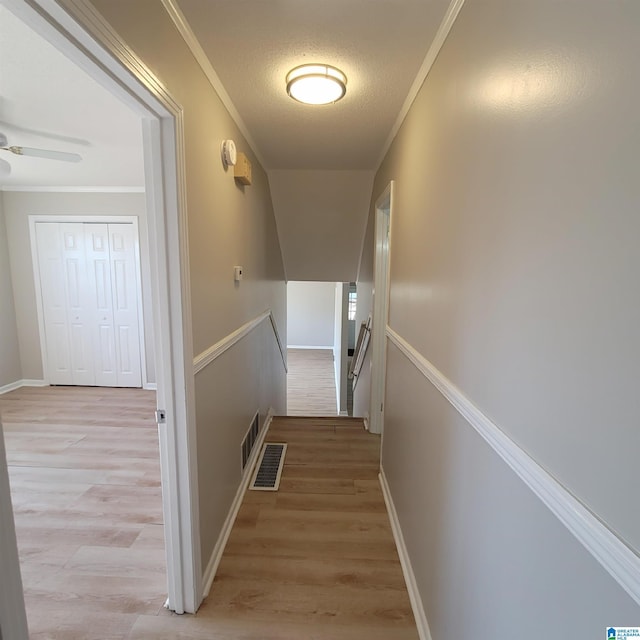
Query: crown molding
(438,41)
(185,30)
(34,189)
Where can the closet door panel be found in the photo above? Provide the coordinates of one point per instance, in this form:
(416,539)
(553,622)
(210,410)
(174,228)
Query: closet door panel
(79,306)
(122,247)
(99,291)
(54,303)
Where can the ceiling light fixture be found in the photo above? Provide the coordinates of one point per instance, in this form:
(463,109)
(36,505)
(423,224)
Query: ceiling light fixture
(316,84)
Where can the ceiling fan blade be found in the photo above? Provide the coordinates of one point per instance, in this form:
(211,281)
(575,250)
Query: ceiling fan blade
(46,153)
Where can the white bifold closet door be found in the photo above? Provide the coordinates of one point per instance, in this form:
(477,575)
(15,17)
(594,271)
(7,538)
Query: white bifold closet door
(89,295)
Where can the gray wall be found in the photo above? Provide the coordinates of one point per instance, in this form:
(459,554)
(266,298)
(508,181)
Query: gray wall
(514,271)
(18,206)
(10,369)
(228,225)
(319,214)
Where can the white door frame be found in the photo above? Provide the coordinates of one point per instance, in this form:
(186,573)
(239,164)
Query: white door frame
(133,220)
(80,32)
(382,270)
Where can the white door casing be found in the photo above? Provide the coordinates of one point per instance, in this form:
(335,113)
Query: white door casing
(381,278)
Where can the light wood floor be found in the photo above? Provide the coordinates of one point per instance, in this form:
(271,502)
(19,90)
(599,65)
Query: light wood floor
(85,484)
(315,560)
(311,384)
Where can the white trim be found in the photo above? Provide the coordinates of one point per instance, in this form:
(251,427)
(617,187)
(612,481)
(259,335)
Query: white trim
(218,550)
(33,382)
(184,28)
(18,384)
(150,386)
(205,358)
(216,350)
(380,314)
(306,346)
(74,189)
(439,40)
(12,386)
(409,577)
(613,554)
(336,378)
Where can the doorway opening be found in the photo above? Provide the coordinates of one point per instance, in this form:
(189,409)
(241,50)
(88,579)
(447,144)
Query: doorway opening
(382,267)
(319,337)
(110,63)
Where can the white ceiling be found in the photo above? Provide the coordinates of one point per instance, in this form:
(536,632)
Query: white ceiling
(379,44)
(48,102)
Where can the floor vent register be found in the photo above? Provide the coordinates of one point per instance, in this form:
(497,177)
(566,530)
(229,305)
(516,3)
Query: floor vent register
(269,467)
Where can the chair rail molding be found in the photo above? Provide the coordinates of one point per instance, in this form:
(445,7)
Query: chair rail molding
(205,358)
(619,560)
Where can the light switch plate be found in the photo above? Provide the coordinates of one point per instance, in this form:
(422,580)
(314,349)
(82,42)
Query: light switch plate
(237,273)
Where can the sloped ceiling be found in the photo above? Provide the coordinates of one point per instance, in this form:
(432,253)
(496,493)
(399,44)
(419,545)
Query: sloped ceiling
(321,218)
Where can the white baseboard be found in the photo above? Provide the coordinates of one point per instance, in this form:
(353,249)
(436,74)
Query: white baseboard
(18,384)
(409,577)
(212,566)
(302,346)
(12,386)
(27,382)
(150,386)
(344,414)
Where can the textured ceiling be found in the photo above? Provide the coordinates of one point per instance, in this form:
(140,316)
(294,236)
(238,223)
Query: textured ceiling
(379,44)
(48,102)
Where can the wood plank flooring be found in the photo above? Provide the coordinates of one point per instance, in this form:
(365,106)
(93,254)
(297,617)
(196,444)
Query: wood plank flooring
(311,384)
(85,484)
(315,560)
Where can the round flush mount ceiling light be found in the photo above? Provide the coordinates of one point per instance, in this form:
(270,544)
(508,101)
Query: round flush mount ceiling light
(316,84)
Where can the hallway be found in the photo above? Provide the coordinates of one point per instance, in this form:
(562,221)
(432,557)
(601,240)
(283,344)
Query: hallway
(314,560)
(475,176)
